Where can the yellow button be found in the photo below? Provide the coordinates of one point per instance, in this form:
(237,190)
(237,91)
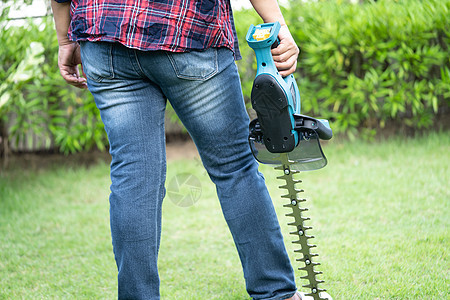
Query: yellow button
(261,34)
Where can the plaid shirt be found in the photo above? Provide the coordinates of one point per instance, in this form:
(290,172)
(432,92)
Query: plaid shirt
(171,25)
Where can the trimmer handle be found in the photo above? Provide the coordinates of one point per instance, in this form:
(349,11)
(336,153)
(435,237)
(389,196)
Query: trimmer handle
(274,98)
(262,38)
(321,126)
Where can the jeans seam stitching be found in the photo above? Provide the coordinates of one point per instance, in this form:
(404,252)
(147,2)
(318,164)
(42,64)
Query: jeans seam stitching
(140,70)
(111,62)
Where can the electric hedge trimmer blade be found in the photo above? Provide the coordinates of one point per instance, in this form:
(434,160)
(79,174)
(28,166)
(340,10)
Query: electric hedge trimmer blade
(283,137)
(300,229)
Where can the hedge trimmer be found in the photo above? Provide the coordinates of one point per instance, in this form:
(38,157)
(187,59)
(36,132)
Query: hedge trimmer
(283,137)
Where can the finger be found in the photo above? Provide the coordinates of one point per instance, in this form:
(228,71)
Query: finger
(280,49)
(283,52)
(75,80)
(287,72)
(284,57)
(284,65)
(287,68)
(81,85)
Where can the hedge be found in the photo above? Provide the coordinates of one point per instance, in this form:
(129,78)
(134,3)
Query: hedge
(36,101)
(362,66)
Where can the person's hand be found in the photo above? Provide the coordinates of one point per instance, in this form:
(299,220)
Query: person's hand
(286,54)
(68,60)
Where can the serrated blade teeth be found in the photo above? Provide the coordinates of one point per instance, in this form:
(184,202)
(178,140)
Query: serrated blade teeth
(317,293)
(314,286)
(292,194)
(305,258)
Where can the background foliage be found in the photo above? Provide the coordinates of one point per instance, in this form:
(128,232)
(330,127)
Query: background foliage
(36,101)
(363,66)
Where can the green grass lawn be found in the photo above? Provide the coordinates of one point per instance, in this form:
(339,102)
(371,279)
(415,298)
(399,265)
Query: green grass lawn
(379,211)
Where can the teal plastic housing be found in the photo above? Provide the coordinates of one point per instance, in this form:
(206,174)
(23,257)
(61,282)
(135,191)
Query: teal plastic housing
(266,65)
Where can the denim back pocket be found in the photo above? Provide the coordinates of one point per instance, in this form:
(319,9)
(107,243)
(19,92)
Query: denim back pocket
(194,65)
(97,60)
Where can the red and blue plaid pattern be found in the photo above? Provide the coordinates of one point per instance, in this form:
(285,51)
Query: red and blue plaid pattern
(171,25)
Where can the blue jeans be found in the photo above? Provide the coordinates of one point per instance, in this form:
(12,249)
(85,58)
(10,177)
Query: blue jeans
(130,88)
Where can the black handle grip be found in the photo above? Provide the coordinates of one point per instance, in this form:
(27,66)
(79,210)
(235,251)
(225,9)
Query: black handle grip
(275,44)
(306,122)
(323,131)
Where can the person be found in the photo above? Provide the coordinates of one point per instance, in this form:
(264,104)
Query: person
(136,55)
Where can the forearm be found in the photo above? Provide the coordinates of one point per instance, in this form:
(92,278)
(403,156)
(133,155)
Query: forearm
(286,53)
(69,57)
(268,10)
(61,14)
